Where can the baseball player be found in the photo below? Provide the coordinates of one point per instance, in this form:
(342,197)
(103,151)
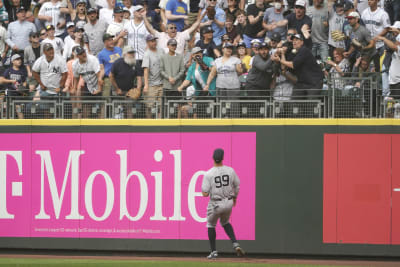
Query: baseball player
(221,184)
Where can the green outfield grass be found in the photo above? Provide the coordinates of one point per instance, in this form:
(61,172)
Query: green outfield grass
(15,262)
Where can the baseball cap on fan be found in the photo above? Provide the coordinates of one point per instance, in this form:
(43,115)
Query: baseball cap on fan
(353,14)
(137,8)
(218,155)
(300,3)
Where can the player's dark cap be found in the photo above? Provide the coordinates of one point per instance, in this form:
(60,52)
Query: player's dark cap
(20,9)
(79,50)
(47,47)
(206,29)
(33,34)
(118,9)
(340,3)
(264,45)
(241,44)
(91,10)
(347,6)
(218,155)
(151,37)
(107,36)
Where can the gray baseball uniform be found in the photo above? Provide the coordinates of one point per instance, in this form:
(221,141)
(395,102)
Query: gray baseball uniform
(222,184)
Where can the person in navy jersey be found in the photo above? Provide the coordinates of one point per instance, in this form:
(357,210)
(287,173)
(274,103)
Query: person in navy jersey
(107,57)
(176,12)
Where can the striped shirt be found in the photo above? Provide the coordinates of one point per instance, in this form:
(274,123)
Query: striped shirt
(18,33)
(137,37)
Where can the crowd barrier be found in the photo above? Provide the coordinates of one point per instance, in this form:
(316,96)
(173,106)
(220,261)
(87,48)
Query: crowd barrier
(351,96)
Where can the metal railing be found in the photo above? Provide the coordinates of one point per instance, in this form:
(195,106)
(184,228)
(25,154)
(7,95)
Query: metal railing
(352,96)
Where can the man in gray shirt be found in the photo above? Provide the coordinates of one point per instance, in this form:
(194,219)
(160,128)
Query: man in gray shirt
(153,83)
(172,70)
(95,30)
(319,29)
(18,32)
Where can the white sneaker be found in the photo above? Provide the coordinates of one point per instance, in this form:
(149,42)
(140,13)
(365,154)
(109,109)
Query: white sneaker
(239,251)
(213,255)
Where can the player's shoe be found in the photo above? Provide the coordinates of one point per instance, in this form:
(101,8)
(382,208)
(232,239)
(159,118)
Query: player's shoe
(239,251)
(213,255)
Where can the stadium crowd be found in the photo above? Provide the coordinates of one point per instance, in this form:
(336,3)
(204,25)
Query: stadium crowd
(200,48)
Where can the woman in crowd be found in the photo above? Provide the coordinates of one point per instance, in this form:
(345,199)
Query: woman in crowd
(243,56)
(339,67)
(78,41)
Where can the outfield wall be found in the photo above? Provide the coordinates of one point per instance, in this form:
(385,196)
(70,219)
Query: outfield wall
(315,187)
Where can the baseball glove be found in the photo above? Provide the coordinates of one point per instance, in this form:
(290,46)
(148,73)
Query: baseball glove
(211,12)
(338,36)
(356,43)
(133,93)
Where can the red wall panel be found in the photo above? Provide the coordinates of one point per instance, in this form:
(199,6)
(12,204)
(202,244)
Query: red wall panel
(395,189)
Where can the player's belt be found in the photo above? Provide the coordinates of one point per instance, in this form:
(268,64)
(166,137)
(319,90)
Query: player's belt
(219,199)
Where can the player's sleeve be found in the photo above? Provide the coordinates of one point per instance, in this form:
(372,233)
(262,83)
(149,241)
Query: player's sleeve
(205,186)
(235,183)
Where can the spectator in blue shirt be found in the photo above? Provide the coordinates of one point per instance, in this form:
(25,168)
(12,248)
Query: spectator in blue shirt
(107,57)
(176,12)
(217,22)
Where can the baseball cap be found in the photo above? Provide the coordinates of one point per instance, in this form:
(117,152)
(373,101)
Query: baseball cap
(49,27)
(353,14)
(218,155)
(206,29)
(300,3)
(228,45)
(70,24)
(91,10)
(47,46)
(151,37)
(276,36)
(79,50)
(348,5)
(340,3)
(264,45)
(128,49)
(107,36)
(31,34)
(15,56)
(125,9)
(137,8)
(196,50)
(298,36)
(20,9)
(81,2)
(225,37)
(118,9)
(172,42)
(79,28)
(241,44)
(396,25)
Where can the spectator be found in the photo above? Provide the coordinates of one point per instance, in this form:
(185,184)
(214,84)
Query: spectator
(153,82)
(3,14)
(70,33)
(126,14)
(394,70)
(225,39)
(336,22)
(171,33)
(198,73)
(15,78)
(299,20)
(75,90)
(274,21)
(243,56)
(50,14)
(56,42)
(232,9)
(95,30)
(163,7)
(172,71)
(227,70)
(284,80)
(31,54)
(275,41)
(376,20)
(207,44)
(176,12)
(338,68)
(154,13)
(260,75)
(13,5)
(77,41)
(129,6)
(231,30)
(18,32)
(86,67)
(308,72)
(50,71)
(124,72)
(42,35)
(254,28)
(241,23)
(360,37)
(137,32)
(3,45)
(255,45)
(106,13)
(319,29)
(215,17)
(79,13)
(116,27)
(107,57)
(223,4)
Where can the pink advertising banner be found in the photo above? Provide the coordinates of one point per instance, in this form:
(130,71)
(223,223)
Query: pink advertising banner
(119,185)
